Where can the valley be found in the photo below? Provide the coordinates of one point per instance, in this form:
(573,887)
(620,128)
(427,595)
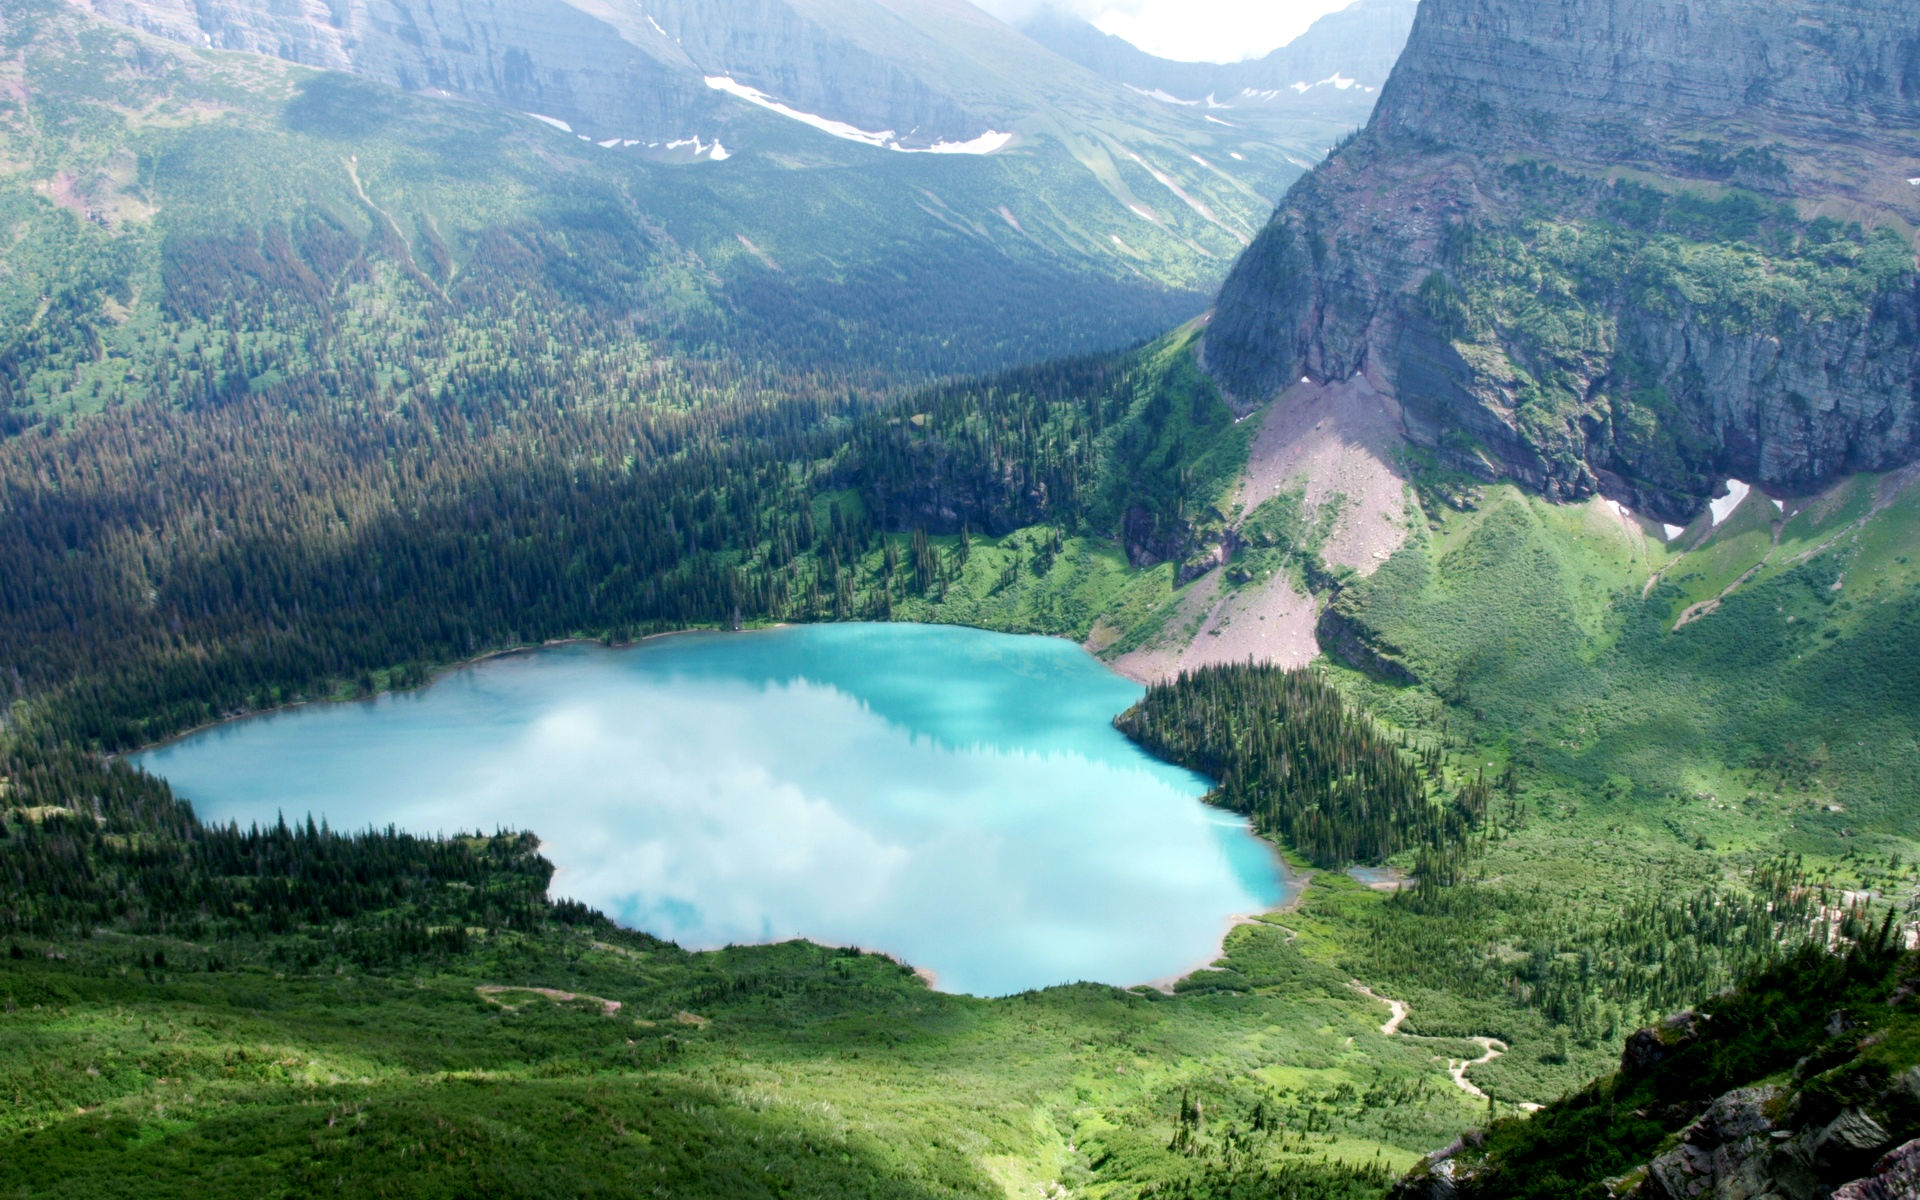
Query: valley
(1519,546)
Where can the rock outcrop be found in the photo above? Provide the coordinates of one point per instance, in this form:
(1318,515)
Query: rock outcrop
(1839,1126)
(1626,246)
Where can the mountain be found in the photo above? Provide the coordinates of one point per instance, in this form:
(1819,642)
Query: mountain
(1616,247)
(1334,69)
(907,96)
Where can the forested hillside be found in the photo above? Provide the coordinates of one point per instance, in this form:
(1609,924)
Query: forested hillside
(189,226)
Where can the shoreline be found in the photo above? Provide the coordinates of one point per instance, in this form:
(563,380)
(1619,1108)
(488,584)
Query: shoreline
(434,675)
(438,671)
(1165,984)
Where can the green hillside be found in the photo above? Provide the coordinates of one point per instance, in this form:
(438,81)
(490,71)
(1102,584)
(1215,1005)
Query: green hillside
(187,223)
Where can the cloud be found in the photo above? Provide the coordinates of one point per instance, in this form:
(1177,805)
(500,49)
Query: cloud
(1202,30)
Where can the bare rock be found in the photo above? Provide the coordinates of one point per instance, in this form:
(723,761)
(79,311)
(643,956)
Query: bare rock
(1895,1177)
(1648,1047)
(1723,1154)
(1806,102)
(1848,1143)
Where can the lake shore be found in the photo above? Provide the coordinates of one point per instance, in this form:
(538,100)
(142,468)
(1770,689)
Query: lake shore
(361,762)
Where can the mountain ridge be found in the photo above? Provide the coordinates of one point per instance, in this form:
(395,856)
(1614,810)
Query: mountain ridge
(1612,288)
(806,83)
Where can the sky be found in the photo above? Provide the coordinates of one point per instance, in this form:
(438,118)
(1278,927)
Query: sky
(1198,30)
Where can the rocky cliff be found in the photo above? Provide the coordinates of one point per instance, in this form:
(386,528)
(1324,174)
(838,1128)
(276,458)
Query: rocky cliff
(1628,246)
(523,54)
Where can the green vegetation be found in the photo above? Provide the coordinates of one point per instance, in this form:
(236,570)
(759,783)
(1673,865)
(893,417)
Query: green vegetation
(1293,754)
(1819,1034)
(375,1013)
(186,227)
(1557,304)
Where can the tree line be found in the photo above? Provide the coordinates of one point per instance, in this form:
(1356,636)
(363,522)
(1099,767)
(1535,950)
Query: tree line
(1306,765)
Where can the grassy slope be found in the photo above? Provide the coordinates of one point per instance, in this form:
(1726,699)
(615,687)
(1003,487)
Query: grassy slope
(790,1070)
(1559,630)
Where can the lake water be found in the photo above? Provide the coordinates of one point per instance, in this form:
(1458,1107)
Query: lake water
(957,799)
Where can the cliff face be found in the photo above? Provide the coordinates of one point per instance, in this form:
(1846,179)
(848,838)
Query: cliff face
(612,67)
(1623,245)
(523,54)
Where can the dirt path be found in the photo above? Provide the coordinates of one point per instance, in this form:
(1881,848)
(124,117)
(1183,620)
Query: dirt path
(492,993)
(1397,1008)
(1456,1067)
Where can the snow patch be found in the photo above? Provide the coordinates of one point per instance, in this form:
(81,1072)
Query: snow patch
(885,139)
(1779,506)
(1162,96)
(1673,531)
(1168,182)
(556,122)
(1142,213)
(1218,121)
(1236,156)
(1336,80)
(656,26)
(714,152)
(986,143)
(1914,182)
(1723,507)
(609,144)
(1619,510)
(1006,214)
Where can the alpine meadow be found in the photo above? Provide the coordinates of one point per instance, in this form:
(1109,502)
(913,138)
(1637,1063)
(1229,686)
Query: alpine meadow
(1419,527)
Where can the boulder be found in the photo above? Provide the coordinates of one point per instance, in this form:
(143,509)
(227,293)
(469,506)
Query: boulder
(1895,1177)
(1848,1143)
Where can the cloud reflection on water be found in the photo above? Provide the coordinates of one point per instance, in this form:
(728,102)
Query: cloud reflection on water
(740,789)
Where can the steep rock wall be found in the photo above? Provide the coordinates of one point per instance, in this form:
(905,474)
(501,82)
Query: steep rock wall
(1625,245)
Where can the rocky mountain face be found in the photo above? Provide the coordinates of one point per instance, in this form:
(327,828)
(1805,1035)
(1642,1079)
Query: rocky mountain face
(637,70)
(1071,165)
(1339,63)
(1616,245)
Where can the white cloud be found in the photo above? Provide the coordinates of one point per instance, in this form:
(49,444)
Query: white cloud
(1202,30)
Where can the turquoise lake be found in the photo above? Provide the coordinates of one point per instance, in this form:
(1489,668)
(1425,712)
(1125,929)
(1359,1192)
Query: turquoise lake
(954,798)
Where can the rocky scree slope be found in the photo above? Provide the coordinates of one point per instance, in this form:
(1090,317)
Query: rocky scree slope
(1616,245)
